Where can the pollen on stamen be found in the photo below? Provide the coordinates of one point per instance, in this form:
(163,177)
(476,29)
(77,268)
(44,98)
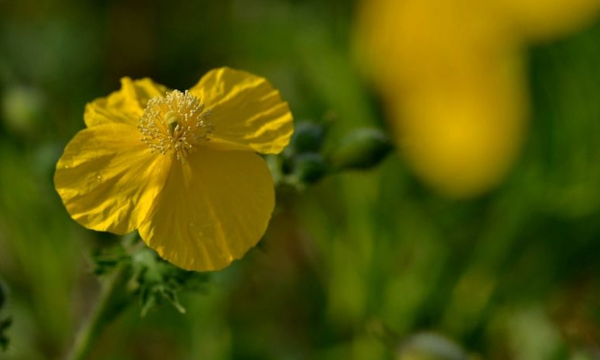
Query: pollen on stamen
(173,124)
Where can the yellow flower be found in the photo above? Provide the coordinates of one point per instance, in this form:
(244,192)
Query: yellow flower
(180,167)
(452,75)
(547,19)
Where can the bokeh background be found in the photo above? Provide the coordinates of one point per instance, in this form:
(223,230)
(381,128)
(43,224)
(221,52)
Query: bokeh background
(377,264)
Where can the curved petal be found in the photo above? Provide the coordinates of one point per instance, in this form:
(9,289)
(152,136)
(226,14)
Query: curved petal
(212,210)
(124,106)
(108,179)
(246,110)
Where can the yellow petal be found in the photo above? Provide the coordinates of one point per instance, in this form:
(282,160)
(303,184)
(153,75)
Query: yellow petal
(246,110)
(108,179)
(212,209)
(414,43)
(124,106)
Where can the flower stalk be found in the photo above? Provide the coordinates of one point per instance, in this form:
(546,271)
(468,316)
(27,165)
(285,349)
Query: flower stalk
(111,302)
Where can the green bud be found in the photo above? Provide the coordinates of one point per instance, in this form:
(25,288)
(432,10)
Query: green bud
(430,346)
(21,108)
(308,138)
(361,149)
(309,168)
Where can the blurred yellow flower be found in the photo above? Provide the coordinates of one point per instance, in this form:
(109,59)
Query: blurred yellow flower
(180,167)
(451,73)
(547,19)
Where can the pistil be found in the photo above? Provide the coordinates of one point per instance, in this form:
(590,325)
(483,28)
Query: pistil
(175,124)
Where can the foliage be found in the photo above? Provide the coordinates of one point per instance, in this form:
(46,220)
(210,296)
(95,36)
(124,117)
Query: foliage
(509,274)
(152,280)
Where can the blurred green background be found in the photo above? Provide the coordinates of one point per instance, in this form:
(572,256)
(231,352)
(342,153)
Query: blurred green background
(363,265)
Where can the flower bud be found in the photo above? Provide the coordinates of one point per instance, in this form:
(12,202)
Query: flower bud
(425,346)
(308,138)
(21,108)
(361,149)
(309,168)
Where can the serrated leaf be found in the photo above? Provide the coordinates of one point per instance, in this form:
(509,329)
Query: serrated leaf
(171,296)
(157,281)
(153,280)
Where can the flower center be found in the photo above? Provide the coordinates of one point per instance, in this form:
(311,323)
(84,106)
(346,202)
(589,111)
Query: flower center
(175,123)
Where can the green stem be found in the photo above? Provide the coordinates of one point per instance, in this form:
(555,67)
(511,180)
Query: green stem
(110,304)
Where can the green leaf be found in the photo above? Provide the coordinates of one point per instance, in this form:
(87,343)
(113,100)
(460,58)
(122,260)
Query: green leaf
(152,280)
(157,282)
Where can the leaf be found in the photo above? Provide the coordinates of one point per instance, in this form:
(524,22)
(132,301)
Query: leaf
(152,280)
(157,282)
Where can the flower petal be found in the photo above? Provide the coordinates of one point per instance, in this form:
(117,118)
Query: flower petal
(108,179)
(246,110)
(124,106)
(212,210)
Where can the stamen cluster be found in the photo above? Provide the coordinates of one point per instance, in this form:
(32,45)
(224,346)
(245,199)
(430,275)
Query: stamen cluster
(175,123)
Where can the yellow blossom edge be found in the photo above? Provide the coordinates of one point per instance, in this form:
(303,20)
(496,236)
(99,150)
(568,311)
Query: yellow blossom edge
(212,210)
(108,179)
(246,110)
(124,106)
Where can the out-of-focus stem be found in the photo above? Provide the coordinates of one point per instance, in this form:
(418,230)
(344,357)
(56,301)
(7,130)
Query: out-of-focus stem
(108,306)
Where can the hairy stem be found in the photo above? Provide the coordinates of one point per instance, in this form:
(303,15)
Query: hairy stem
(111,302)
